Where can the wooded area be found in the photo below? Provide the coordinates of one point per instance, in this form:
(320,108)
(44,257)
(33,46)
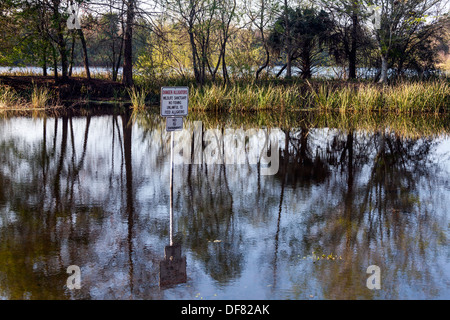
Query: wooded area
(215,40)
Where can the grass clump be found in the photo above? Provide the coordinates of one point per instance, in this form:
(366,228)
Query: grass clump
(9,98)
(244,98)
(368,97)
(40,97)
(209,98)
(413,97)
(137,97)
(404,97)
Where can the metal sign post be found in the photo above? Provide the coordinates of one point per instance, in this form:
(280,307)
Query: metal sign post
(174,105)
(171,189)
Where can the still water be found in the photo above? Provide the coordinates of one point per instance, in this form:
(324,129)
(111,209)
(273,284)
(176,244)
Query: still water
(93,191)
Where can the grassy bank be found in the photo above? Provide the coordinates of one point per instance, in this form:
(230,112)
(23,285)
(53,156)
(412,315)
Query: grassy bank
(403,97)
(432,96)
(38,91)
(38,97)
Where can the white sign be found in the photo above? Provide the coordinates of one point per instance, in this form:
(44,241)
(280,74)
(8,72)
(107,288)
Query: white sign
(174,124)
(174,101)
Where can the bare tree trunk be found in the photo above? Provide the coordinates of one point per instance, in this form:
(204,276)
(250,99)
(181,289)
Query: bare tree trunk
(263,39)
(281,70)
(44,61)
(266,63)
(226,78)
(287,41)
(384,69)
(85,54)
(197,75)
(306,64)
(127,78)
(60,39)
(55,63)
(352,53)
(214,72)
(72,49)
(116,70)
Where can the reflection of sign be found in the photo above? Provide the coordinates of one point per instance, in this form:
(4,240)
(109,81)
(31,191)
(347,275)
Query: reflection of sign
(174,101)
(172,270)
(174,124)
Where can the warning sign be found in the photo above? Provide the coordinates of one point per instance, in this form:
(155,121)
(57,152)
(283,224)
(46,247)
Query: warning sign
(174,101)
(174,124)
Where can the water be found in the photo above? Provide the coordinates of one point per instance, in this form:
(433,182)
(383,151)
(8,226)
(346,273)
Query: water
(321,72)
(93,191)
(31,70)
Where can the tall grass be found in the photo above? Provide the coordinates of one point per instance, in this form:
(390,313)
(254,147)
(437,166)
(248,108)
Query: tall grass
(418,97)
(137,97)
(278,95)
(211,98)
(9,97)
(405,97)
(40,97)
(368,97)
(244,98)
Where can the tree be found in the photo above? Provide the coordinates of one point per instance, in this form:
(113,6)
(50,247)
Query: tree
(24,33)
(402,24)
(195,17)
(349,34)
(309,29)
(127,69)
(79,32)
(261,14)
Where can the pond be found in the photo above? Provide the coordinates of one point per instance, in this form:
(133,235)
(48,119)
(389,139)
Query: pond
(291,207)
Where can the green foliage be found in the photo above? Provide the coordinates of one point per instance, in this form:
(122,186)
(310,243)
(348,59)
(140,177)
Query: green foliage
(308,29)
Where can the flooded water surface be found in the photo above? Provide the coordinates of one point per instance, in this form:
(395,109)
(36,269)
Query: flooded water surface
(260,211)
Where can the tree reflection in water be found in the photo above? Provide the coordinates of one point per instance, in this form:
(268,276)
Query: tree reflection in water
(93,191)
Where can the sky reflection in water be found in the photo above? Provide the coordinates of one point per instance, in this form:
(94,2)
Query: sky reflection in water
(93,191)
